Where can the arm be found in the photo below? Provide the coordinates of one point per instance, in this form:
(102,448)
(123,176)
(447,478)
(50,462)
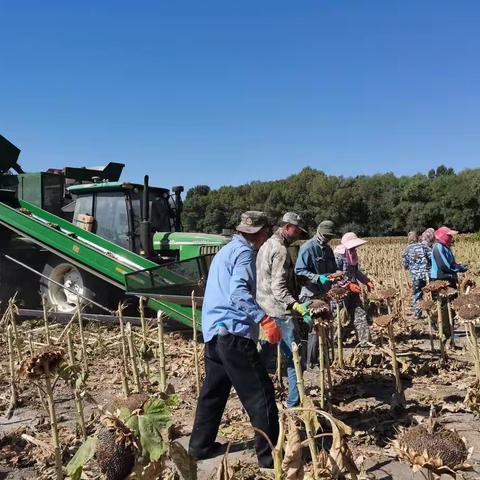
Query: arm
(280,289)
(361,277)
(405,259)
(445,261)
(302,268)
(242,286)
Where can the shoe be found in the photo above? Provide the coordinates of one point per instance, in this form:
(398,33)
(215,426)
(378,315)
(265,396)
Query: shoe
(214,450)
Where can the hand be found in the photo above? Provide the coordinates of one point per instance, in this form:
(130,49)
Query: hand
(354,288)
(370,286)
(271,329)
(336,276)
(301,308)
(323,279)
(307,319)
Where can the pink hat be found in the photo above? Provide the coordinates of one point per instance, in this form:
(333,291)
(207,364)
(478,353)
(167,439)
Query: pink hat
(350,240)
(444,235)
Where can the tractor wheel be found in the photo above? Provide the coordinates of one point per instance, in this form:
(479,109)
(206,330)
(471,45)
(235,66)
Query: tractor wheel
(75,280)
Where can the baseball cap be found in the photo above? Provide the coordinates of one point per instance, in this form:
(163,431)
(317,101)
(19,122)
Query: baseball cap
(294,219)
(252,221)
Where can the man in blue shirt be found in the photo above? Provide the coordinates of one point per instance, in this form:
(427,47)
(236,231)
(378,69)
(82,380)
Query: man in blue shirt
(315,262)
(230,323)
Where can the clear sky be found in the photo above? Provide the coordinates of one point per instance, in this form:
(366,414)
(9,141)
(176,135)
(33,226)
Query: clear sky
(226,92)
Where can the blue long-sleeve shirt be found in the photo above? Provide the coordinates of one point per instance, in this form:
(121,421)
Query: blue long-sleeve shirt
(230,292)
(315,258)
(444,266)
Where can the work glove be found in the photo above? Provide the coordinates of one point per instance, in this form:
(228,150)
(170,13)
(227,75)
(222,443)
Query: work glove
(323,279)
(307,319)
(271,329)
(354,288)
(301,308)
(370,286)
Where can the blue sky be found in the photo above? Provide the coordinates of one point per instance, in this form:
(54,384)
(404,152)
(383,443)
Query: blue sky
(227,92)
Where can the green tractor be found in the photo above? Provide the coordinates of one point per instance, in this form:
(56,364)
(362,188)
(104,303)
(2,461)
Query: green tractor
(142,219)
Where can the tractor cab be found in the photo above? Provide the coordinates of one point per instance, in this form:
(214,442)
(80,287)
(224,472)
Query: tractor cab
(127,214)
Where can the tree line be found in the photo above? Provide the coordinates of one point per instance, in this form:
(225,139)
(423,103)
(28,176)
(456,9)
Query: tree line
(376,205)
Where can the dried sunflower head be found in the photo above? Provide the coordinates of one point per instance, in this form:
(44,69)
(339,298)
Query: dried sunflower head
(319,309)
(46,360)
(469,312)
(116,448)
(337,293)
(133,403)
(436,286)
(384,294)
(470,299)
(426,304)
(467,284)
(448,292)
(439,450)
(385,320)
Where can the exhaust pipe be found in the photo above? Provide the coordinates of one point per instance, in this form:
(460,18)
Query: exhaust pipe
(145,226)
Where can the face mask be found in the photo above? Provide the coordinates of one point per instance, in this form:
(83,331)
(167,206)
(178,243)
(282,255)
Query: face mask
(352,257)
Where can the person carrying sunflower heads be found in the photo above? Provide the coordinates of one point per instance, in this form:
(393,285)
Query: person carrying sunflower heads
(347,261)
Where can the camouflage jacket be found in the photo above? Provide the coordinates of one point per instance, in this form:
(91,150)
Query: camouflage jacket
(417,260)
(275,281)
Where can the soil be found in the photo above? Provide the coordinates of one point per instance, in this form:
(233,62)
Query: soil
(361,397)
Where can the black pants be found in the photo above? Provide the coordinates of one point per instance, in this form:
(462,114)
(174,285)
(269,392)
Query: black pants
(232,360)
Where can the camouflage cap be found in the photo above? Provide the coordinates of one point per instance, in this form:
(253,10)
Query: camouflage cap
(326,228)
(252,221)
(293,218)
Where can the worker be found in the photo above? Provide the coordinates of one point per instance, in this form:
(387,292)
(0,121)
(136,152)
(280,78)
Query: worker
(428,238)
(417,260)
(346,257)
(315,262)
(444,267)
(276,294)
(230,324)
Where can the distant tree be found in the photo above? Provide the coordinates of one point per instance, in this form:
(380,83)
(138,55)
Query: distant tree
(382,204)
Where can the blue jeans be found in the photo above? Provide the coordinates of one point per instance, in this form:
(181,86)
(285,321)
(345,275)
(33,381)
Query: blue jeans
(267,354)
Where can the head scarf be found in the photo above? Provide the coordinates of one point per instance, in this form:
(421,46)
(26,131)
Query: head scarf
(412,237)
(428,236)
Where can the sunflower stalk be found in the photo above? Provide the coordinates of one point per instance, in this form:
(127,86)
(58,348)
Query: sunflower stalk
(306,416)
(321,359)
(82,336)
(195,344)
(76,393)
(13,385)
(441,333)
(340,362)
(123,343)
(146,363)
(133,357)
(53,423)
(161,352)
(45,320)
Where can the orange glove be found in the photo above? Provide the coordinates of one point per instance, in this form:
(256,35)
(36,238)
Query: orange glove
(271,329)
(370,286)
(354,288)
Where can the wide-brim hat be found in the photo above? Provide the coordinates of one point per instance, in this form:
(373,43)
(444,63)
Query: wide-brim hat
(351,240)
(252,221)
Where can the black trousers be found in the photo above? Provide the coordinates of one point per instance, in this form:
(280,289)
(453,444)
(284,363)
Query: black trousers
(233,360)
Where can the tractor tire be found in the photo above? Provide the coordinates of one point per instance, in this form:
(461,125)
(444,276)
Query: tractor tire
(78,280)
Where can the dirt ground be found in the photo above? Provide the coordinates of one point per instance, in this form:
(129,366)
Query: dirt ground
(361,397)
